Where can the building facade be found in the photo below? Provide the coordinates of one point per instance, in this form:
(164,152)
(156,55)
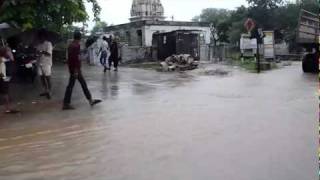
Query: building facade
(147,19)
(140,33)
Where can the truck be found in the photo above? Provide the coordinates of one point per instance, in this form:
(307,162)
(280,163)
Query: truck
(308,37)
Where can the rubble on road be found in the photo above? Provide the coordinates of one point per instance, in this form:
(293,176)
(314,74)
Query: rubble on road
(180,62)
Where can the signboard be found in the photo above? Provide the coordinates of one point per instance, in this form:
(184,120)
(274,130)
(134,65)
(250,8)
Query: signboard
(249,25)
(268,44)
(247,43)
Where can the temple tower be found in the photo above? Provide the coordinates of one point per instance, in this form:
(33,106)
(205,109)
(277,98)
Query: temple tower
(147,10)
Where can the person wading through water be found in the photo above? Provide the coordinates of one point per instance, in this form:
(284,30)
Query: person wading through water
(74,65)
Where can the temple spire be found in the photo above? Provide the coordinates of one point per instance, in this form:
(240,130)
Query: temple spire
(146,10)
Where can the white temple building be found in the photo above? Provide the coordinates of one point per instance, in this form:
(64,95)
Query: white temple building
(147,10)
(147,18)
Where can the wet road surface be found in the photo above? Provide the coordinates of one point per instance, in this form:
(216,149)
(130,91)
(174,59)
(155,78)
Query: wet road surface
(156,126)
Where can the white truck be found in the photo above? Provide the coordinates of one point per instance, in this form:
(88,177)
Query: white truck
(308,37)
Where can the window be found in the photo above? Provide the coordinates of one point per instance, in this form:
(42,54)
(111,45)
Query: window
(164,39)
(139,32)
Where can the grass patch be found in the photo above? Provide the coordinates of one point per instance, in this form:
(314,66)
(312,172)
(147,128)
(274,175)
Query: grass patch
(250,65)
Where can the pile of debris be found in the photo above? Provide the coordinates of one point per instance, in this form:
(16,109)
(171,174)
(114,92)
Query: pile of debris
(180,62)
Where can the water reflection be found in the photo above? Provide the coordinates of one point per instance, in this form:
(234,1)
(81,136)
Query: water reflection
(110,84)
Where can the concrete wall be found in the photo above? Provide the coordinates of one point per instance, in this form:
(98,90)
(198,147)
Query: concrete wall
(134,53)
(138,53)
(133,39)
(150,29)
(204,53)
(281,49)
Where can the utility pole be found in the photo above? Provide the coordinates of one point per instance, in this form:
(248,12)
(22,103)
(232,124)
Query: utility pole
(259,35)
(214,36)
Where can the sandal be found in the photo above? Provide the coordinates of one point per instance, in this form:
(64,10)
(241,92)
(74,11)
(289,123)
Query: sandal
(95,101)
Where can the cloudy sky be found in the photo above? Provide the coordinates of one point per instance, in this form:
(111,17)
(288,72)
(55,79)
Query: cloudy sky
(118,11)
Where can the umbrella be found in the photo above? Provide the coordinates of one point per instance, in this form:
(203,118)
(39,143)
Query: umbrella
(7,31)
(4,25)
(31,37)
(91,40)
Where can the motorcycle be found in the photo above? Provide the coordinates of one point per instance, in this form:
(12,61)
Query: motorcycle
(26,64)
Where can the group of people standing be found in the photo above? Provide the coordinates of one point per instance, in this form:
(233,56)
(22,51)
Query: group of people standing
(105,51)
(43,53)
(109,55)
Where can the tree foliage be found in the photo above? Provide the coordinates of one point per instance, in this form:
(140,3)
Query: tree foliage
(213,15)
(99,26)
(277,15)
(51,14)
(218,18)
(310,5)
(265,4)
(236,21)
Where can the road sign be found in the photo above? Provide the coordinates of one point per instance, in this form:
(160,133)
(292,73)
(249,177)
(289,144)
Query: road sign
(249,24)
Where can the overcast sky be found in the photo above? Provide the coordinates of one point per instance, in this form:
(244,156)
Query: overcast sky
(118,11)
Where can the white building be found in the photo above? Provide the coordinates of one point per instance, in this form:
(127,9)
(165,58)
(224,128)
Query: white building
(147,18)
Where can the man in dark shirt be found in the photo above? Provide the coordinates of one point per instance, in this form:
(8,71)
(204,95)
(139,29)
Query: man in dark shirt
(74,65)
(114,57)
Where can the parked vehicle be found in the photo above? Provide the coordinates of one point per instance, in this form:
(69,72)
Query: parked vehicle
(26,63)
(308,37)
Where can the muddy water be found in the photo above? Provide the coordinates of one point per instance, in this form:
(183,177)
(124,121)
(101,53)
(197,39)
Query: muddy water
(154,126)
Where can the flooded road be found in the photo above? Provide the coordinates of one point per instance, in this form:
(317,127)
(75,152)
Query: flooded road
(156,126)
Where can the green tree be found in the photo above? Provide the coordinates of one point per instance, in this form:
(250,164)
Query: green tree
(265,4)
(213,15)
(262,11)
(310,5)
(98,27)
(277,15)
(51,14)
(218,18)
(236,21)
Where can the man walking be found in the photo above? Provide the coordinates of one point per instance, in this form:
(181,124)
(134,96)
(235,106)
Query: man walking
(45,63)
(76,74)
(104,53)
(114,57)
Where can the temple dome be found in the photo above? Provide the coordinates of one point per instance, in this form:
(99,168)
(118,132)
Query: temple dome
(146,10)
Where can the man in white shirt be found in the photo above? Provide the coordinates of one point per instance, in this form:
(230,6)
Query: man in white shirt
(45,63)
(104,53)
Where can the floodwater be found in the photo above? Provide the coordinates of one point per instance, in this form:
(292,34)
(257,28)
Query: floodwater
(159,126)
